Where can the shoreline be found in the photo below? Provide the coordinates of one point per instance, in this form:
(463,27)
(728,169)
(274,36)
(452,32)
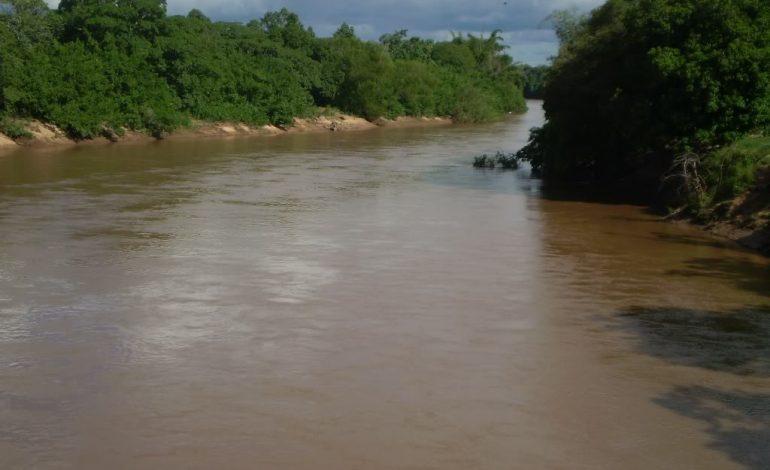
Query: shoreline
(745,219)
(753,240)
(756,240)
(49,136)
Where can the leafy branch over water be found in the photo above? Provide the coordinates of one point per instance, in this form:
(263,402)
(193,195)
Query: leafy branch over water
(506,161)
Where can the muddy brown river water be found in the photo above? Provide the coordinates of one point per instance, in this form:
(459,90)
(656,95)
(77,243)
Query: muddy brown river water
(364,301)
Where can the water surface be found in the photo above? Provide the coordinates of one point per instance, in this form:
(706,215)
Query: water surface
(364,300)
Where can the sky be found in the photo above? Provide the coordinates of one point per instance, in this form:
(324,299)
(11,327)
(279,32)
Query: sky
(522,21)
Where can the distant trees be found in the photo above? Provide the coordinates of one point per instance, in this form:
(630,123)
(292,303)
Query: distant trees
(533,78)
(640,82)
(95,67)
(119,20)
(401,47)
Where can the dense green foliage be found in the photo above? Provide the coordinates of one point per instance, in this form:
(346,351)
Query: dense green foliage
(732,170)
(637,84)
(534,80)
(94,67)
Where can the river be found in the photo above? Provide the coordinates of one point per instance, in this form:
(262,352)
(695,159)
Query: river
(364,300)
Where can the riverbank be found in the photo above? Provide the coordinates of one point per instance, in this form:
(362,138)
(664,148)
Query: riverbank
(731,197)
(744,219)
(40,134)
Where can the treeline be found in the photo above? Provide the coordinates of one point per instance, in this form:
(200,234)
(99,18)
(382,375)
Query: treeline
(93,67)
(533,79)
(650,94)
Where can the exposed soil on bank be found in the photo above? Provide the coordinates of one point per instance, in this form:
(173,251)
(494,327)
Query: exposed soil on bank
(45,135)
(746,219)
(6,142)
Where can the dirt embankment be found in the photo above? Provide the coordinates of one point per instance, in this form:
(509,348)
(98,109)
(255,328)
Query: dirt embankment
(6,142)
(49,135)
(39,134)
(411,121)
(746,219)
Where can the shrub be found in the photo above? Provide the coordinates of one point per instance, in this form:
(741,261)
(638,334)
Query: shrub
(90,67)
(506,161)
(14,128)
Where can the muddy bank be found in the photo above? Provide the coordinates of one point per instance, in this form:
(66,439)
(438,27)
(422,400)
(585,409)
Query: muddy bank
(757,239)
(744,220)
(48,135)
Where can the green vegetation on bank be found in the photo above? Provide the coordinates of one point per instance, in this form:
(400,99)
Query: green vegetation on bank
(730,172)
(534,80)
(94,68)
(645,92)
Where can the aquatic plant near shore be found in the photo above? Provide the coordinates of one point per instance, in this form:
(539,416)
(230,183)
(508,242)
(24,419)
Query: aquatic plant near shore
(506,161)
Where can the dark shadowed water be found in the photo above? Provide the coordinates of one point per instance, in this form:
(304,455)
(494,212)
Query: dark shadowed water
(363,300)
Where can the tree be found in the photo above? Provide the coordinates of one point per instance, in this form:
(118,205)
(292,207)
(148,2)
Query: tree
(26,20)
(640,81)
(533,80)
(100,66)
(25,27)
(100,20)
(284,27)
(345,31)
(401,47)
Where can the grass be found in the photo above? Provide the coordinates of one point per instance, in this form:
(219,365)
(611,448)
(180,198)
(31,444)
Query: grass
(733,170)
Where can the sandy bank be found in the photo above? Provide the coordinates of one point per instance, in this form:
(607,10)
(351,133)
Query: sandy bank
(6,142)
(409,121)
(44,135)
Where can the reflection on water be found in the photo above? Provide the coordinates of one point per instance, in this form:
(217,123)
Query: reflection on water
(738,422)
(362,300)
(745,274)
(736,341)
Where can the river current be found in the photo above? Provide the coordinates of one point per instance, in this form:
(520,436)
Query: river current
(364,300)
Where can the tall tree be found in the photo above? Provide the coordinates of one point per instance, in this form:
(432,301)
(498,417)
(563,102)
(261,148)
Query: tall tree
(640,81)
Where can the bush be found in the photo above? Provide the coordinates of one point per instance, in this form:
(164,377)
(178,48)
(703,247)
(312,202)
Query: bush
(639,82)
(731,171)
(484,161)
(94,67)
(471,104)
(14,128)
(506,161)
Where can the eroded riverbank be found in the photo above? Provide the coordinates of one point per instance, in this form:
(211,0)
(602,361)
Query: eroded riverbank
(47,135)
(364,300)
